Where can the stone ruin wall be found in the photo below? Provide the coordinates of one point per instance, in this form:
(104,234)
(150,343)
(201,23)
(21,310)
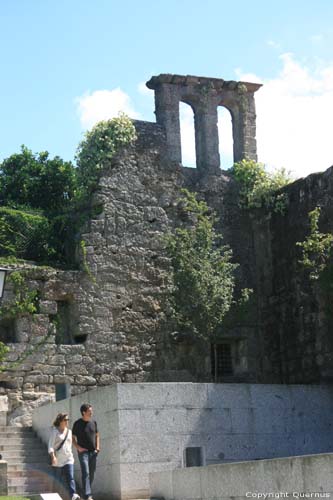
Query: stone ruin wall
(296,324)
(118,309)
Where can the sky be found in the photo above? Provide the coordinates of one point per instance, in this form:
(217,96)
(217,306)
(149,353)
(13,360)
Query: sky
(66,64)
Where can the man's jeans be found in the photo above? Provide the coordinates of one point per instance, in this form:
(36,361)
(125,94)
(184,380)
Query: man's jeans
(64,477)
(88,467)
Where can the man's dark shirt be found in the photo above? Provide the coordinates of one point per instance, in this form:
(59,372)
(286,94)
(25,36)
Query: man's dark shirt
(85,433)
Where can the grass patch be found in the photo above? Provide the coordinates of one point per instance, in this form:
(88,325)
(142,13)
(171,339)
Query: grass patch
(14,498)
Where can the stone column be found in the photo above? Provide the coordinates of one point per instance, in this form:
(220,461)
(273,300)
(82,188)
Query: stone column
(206,137)
(3,410)
(244,128)
(167,115)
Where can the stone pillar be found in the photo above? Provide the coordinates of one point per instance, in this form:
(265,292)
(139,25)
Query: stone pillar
(167,115)
(3,410)
(206,137)
(244,128)
(3,478)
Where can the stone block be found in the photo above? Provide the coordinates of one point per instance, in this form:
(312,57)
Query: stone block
(3,403)
(150,448)
(162,395)
(48,307)
(161,485)
(186,483)
(135,477)
(229,396)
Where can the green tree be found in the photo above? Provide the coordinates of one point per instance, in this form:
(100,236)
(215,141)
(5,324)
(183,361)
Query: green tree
(202,280)
(36,181)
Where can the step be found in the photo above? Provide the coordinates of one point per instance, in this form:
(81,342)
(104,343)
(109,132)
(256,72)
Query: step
(25,452)
(16,481)
(26,460)
(19,439)
(15,430)
(22,446)
(32,490)
(29,472)
(36,466)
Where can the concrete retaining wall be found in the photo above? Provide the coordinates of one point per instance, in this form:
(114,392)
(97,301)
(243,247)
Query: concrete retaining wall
(3,478)
(281,478)
(147,427)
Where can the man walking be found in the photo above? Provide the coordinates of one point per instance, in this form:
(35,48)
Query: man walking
(86,441)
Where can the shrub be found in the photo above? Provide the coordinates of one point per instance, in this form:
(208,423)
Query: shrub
(259,188)
(99,146)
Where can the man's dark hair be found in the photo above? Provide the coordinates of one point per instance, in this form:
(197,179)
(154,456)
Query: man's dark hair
(85,407)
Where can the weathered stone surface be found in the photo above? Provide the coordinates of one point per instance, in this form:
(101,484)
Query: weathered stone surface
(117,325)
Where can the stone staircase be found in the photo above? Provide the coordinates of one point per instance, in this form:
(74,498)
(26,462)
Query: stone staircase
(27,459)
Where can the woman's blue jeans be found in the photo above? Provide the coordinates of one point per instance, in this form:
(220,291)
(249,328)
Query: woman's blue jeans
(88,468)
(65,476)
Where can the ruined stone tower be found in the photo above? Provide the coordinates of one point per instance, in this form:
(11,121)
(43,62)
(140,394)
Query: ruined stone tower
(204,95)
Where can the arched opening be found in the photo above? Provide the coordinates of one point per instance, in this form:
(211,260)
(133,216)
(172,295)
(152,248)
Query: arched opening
(187,135)
(226,142)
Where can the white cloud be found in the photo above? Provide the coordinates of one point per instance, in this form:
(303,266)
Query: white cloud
(294,110)
(103,105)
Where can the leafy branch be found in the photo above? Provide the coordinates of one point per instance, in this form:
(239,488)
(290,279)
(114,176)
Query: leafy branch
(202,280)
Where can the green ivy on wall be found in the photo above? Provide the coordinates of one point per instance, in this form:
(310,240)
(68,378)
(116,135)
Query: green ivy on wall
(260,188)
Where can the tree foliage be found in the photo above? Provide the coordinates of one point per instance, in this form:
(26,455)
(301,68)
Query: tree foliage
(259,188)
(202,280)
(317,248)
(99,146)
(36,181)
(45,201)
(24,235)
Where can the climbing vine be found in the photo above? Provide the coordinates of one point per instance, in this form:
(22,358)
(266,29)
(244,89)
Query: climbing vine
(25,301)
(202,281)
(85,262)
(317,249)
(259,188)
(3,351)
(99,146)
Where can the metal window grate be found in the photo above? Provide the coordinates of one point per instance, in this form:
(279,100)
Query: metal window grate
(193,456)
(222,359)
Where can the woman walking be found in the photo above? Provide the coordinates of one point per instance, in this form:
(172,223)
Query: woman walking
(60,451)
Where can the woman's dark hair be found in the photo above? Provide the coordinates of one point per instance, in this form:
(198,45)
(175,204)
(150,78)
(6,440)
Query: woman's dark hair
(60,418)
(85,407)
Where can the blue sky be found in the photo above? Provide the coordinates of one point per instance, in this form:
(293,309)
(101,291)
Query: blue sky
(57,56)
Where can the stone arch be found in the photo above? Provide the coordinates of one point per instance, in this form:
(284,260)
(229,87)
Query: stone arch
(205,95)
(187,134)
(226,136)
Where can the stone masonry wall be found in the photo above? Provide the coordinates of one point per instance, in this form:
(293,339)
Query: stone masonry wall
(296,328)
(118,308)
(116,324)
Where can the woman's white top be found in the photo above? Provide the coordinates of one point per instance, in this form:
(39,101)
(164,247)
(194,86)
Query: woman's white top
(65,454)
